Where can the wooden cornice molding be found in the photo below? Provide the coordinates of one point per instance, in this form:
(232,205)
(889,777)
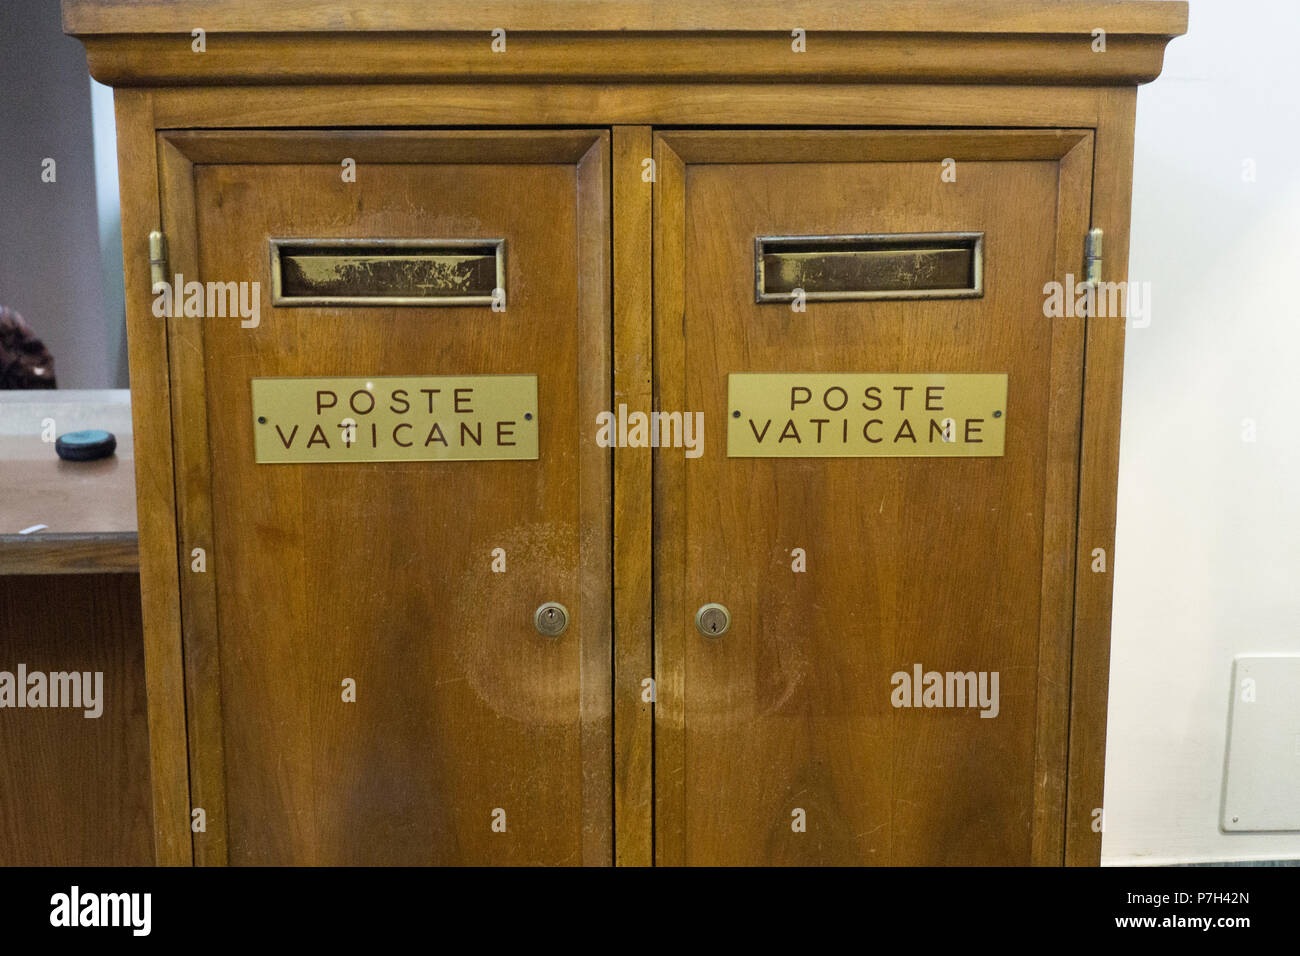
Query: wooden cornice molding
(1150,17)
(148,42)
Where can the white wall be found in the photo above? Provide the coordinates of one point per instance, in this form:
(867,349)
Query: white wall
(1207,559)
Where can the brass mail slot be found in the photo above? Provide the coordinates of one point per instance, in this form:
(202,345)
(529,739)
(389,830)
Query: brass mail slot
(420,272)
(936,265)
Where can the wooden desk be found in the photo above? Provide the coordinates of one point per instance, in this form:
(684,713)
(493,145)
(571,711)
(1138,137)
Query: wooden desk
(73,790)
(88,507)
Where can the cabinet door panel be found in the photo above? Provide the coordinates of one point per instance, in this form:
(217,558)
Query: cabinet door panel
(473,738)
(780,741)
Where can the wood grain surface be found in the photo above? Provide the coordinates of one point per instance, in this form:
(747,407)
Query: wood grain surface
(75,790)
(381,573)
(950,16)
(633,519)
(941,562)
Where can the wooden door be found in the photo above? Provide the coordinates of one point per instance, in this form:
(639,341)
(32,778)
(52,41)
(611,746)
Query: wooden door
(470,737)
(779,742)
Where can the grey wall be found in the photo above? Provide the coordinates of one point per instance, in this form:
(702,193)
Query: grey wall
(51,268)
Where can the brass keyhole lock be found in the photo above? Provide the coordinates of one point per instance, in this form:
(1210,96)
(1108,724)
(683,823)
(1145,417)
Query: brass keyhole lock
(713,620)
(551,619)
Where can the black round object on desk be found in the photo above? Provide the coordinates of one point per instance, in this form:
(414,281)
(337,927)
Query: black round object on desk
(86,445)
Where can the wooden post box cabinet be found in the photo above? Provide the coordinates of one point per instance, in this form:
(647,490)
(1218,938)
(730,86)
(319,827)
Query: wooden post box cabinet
(404,283)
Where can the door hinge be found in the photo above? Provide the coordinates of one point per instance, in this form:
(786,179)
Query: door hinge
(157,259)
(1092,257)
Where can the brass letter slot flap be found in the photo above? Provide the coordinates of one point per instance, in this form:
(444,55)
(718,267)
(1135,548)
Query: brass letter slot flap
(419,272)
(935,265)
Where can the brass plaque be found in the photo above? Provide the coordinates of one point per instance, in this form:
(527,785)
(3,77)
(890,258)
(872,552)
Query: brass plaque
(865,415)
(419,418)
